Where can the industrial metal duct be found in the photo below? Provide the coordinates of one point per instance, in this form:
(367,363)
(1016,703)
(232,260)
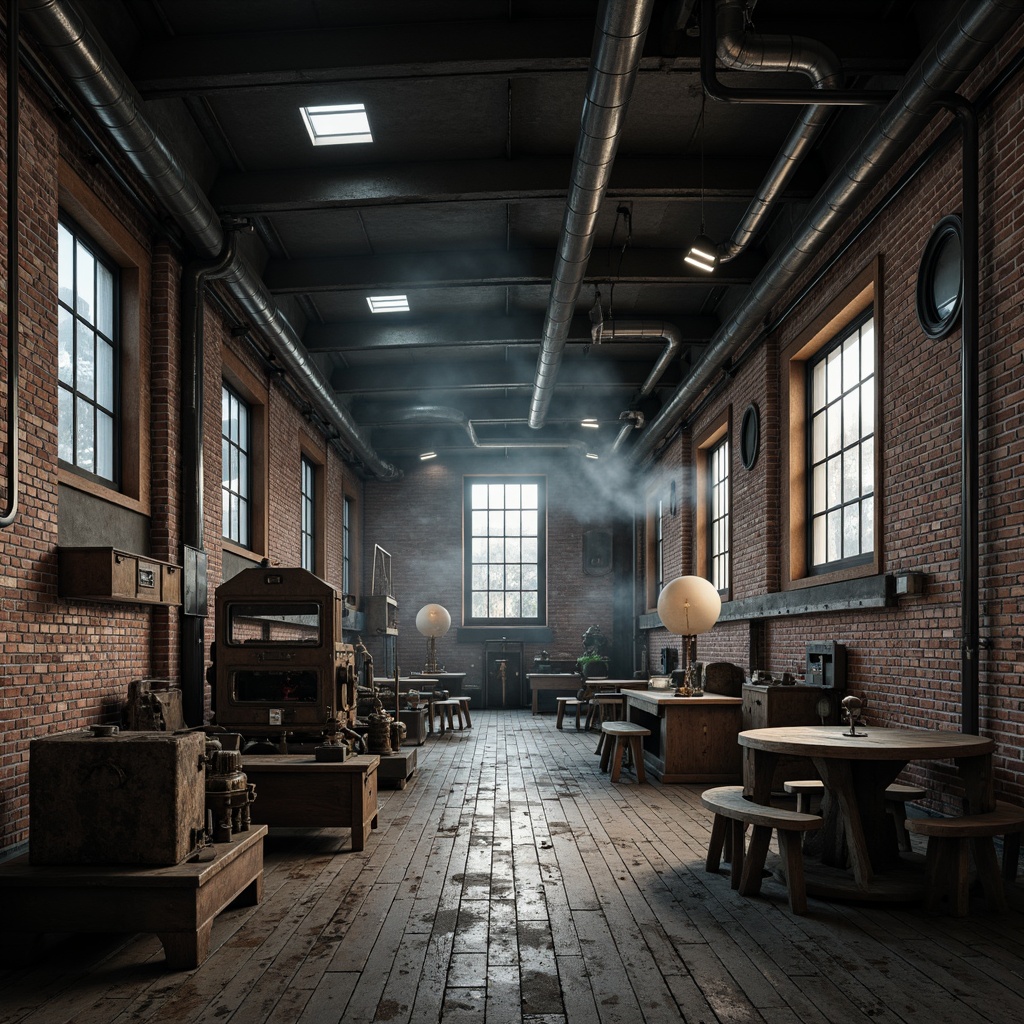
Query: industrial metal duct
(748,51)
(618,45)
(955,52)
(99,81)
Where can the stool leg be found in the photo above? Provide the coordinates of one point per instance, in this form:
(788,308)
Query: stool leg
(1011,856)
(579,709)
(753,860)
(465,711)
(638,758)
(719,830)
(561,714)
(790,848)
(606,754)
(736,830)
(457,711)
(897,809)
(600,743)
(987,863)
(959,894)
(618,752)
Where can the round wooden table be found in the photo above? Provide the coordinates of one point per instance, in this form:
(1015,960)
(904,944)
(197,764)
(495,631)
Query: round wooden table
(856,771)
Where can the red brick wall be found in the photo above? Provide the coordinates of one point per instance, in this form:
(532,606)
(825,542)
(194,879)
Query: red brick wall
(905,660)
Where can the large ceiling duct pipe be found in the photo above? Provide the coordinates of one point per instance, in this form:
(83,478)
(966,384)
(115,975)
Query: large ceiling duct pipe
(98,80)
(449,416)
(955,52)
(643,330)
(618,46)
(747,51)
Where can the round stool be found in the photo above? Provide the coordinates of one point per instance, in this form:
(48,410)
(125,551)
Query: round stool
(568,702)
(606,707)
(624,735)
(464,701)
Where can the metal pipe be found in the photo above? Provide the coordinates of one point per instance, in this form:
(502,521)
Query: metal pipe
(747,51)
(10,512)
(94,74)
(193,308)
(618,45)
(955,52)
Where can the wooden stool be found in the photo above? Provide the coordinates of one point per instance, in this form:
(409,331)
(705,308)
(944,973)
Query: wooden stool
(446,709)
(733,812)
(896,797)
(571,702)
(624,734)
(464,702)
(805,791)
(951,840)
(606,707)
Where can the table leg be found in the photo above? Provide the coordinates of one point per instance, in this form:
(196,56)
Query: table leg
(758,772)
(979,784)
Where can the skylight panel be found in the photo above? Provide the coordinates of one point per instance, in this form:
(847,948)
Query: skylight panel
(388,303)
(337,125)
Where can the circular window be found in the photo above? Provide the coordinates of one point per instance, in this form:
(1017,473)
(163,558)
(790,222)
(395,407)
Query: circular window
(750,436)
(940,280)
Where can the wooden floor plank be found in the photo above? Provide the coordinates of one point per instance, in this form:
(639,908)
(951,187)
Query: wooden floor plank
(510,881)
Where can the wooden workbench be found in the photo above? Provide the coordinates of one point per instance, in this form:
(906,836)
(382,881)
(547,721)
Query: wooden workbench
(693,739)
(176,903)
(297,791)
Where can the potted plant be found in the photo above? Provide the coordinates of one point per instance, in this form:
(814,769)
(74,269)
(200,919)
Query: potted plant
(593,662)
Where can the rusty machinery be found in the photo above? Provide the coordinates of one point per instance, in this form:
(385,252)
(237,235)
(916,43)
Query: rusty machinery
(280,673)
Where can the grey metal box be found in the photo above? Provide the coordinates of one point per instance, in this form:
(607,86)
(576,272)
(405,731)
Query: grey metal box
(132,798)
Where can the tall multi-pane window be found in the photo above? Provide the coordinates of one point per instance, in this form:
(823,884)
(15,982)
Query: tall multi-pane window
(505,550)
(307,500)
(346,546)
(718,514)
(87,354)
(841,450)
(236,445)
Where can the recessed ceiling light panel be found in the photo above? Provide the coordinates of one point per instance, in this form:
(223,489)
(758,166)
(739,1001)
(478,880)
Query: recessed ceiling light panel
(337,125)
(388,303)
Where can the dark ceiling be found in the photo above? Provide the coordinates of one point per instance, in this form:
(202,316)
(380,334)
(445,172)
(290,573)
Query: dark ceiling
(458,203)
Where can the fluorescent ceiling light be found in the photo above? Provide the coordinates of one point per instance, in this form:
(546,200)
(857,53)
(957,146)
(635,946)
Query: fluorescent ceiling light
(590,422)
(702,254)
(593,455)
(336,125)
(428,455)
(388,303)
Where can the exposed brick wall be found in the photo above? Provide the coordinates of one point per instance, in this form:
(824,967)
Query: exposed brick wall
(905,661)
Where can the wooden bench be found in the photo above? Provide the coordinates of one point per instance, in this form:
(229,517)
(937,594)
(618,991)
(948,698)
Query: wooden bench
(896,798)
(950,843)
(569,702)
(178,903)
(623,735)
(733,812)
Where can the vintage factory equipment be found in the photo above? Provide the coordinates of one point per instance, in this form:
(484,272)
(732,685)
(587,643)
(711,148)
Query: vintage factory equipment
(229,794)
(281,675)
(104,797)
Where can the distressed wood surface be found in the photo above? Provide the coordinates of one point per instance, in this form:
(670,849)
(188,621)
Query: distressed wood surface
(510,881)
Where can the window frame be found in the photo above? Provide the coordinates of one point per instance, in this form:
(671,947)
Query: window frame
(77,202)
(249,387)
(823,354)
(467,552)
(708,442)
(243,444)
(309,521)
(859,298)
(80,237)
(654,553)
(347,508)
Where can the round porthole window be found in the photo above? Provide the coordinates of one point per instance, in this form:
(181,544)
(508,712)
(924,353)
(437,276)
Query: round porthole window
(750,436)
(940,280)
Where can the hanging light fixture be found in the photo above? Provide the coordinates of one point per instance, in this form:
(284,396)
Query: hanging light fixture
(703,253)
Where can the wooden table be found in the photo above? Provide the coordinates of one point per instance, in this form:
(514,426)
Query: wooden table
(693,739)
(856,771)
(553,682)
(177,903)
(297,791)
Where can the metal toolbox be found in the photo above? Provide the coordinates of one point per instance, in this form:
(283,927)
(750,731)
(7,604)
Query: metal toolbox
(129,798)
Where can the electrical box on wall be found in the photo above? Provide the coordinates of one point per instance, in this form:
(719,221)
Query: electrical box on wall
(106,574)
(826,665)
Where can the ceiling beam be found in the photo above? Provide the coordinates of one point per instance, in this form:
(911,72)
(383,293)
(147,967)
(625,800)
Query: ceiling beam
(440,332)
(421,377)
(189,65)
(447,269)
(494,181)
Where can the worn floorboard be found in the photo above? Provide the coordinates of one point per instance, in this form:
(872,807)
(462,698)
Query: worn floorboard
(511,883)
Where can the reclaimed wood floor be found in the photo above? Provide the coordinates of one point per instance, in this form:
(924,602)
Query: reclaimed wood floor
(511,882)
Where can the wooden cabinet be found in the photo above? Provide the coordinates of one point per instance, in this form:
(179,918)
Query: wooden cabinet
(106,574)
(767,707)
